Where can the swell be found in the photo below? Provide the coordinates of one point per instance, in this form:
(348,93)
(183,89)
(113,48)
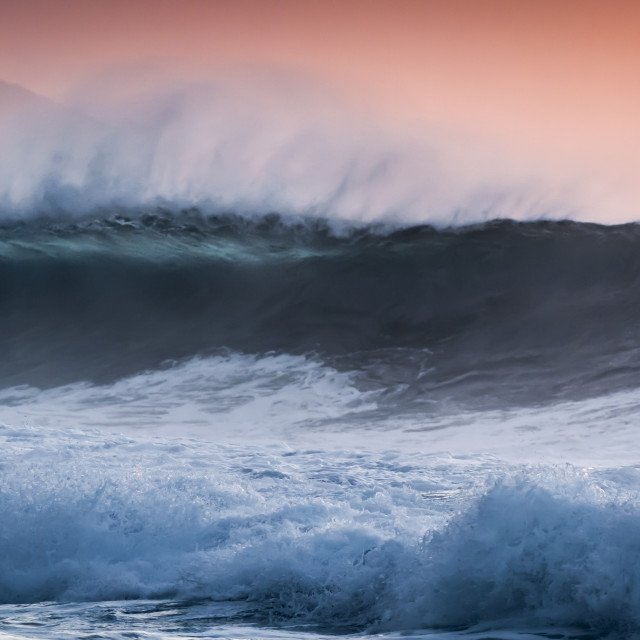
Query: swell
(553,304)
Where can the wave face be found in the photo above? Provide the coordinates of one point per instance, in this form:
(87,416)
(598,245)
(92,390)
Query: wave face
(504,311)
(377,541)
(329,429)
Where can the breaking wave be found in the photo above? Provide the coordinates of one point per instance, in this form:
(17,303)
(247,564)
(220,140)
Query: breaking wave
(89,517)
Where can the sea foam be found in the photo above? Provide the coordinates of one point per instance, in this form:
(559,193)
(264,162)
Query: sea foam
(341,540)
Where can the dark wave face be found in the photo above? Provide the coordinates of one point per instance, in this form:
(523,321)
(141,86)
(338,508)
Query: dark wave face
(499,312)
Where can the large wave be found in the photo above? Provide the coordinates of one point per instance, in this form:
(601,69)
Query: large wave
(546,308)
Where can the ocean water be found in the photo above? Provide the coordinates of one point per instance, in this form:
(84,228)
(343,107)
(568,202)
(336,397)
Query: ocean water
(266,427)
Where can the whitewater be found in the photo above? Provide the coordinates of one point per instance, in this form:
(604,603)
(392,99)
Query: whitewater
(267,372)
(220,426)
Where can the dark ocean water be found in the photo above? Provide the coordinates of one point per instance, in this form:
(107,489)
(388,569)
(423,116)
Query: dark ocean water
(273,427)
(555,305)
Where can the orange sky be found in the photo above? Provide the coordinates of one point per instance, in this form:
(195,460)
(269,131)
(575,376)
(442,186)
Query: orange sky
(553,78)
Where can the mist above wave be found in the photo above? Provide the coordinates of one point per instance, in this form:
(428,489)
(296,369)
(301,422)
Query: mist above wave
(251,147)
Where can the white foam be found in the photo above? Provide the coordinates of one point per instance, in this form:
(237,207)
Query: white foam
(382,540)
(235,398)
(228,398)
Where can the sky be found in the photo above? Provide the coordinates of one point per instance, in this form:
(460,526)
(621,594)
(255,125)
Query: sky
(552,86)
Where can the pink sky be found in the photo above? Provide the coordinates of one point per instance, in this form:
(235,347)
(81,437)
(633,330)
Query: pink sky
(557,82)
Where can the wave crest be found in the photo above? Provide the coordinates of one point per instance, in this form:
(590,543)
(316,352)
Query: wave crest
(248,145)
